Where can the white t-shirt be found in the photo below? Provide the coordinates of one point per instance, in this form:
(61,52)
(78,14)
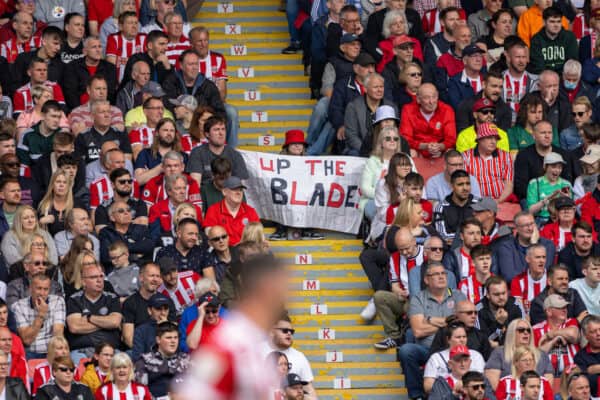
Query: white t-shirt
(300,364)
(437,365)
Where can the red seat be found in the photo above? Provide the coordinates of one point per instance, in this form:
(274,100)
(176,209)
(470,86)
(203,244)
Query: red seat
(81,368)
(428,167)
(31,364)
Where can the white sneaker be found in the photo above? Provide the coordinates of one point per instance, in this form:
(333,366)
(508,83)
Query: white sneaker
(369,312)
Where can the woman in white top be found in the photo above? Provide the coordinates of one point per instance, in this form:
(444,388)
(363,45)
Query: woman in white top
(437,365)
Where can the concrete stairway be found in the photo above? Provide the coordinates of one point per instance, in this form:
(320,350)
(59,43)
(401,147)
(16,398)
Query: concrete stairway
(329,330)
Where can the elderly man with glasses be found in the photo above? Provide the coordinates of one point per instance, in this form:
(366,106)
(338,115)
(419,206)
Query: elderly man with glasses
(33,263)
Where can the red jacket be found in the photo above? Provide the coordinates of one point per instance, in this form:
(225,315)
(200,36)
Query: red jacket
(218,214)
(18,364)
(160,211)
(590,208)
(441,128)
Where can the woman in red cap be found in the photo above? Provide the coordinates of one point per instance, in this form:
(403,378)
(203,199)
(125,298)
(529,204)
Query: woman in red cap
(294,145)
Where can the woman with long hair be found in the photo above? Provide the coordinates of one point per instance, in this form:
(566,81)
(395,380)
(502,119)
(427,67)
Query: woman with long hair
(148,163)
(410,79)
(531,111)
(121,383)
(25,224)
(57,202)
(501,25)
(523,360)
(279,362)
(97,371)
(455,334)
(72,280)
(196,135)
(518,333)
(57,347)
(255,232)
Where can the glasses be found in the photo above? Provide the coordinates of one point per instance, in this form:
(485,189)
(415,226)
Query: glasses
(116,257)
(438,274)
(12,164)
(523,330)
(488,112)
(578,114)
(392,138)
(212,310)
(415,74)
(480,386)
(170,1)
(66,369)
(125,181)
(40,263)
(38,244)
(435,249)
(287,330)
(123,210)
(218,238)
(469,312)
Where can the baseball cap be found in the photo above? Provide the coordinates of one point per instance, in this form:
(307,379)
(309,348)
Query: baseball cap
(292,380)
(233,182)
(210,298)
(166,265)
(403,39)
(385,112)
(459,350)
(185,100)
(158,300)
(555,301)
(364,60)
(487,129)
(482,104)
(472,49)
(153,88)
(553,158)
(348,38)
(592,154)
(485,204)
(563,202)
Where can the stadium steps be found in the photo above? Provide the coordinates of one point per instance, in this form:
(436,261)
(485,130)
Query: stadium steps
(365,373)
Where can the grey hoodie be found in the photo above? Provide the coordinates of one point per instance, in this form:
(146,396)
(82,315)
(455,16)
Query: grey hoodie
(53,11)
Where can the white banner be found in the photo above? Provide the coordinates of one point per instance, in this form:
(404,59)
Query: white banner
(305,192)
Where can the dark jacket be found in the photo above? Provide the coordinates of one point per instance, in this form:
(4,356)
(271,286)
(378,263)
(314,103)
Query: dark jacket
(344,91)
(530,165)
(476,340)
(573,261)
(76,76)
(585,49)
(447,216)
(441,390)
(545,51)
(464,113)
(4,227)
(157,372)
(558,114)
(576,306)
(158,72)
(42,172)
(488,325)
(435,46)
(342,66)
(51,391)
(144,338)
(204,91)
(508,259)
(583,90)
(15,389)
(137,238)
(358,121)
(21,64)
(318,51)
(373,33)
(458,90)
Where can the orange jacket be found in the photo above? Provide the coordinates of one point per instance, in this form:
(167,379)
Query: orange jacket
(531,22)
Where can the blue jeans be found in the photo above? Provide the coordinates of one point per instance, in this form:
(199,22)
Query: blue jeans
(320,132)
(370,209)
(291,10)
(412,356)
(233,124)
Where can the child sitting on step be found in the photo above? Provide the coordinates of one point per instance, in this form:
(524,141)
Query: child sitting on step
(294,145)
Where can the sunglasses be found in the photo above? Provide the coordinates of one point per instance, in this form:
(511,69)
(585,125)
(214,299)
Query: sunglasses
(480,386)
(170,1)
(40,263)
(489,111)
(125,181)
(287,330)
(523,330)
(469,312)
(392,138)
(578,114)
(415,74)
(66,369)
(218,238)
(436,249)
(212,310)
(12,164)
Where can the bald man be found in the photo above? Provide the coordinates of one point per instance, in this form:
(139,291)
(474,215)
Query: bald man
(95,169)
(428,124)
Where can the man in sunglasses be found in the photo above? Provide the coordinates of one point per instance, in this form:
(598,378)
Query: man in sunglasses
(33,263)
(30,191)
(40,316)
(282,339)
(474,386)
(164,7)
(208,320)
(64,386)
(484,110)
(572,137)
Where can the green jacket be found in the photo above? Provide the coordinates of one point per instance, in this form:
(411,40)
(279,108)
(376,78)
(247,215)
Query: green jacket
(552,54)
(519,138)
(33,144)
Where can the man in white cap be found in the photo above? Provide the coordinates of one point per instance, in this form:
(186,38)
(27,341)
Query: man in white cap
(492,167)
(385,116)
(557,332)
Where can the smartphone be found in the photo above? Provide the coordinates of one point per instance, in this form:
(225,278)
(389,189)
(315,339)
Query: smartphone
(566,190)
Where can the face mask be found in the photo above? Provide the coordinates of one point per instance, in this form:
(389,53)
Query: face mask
(570,85)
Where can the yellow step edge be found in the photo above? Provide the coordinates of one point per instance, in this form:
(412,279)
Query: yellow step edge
(334,279)
(220,35)
(272,103)
(393,378)
(294,67)
(354,352)
(290,112)
(332,343)
(328,318)
(333,304)
(332,267)
(271,78)
(264,149)
(347,394)
(266,57)
(274,124)
(251,46)
(270,90)
(258,24)
(367,329)
(383,364)
(336,243)
(260,3)
(237,14)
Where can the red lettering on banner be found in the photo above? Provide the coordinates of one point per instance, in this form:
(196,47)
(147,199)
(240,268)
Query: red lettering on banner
(339,168)
(269,167)
(293,200)
(335,187)
(312,164)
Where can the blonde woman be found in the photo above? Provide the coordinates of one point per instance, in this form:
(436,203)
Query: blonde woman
(57,347)
(524,360)
(25,224)
(254,232)
(120,382)
(518,333)
(72,281)
(57,202)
